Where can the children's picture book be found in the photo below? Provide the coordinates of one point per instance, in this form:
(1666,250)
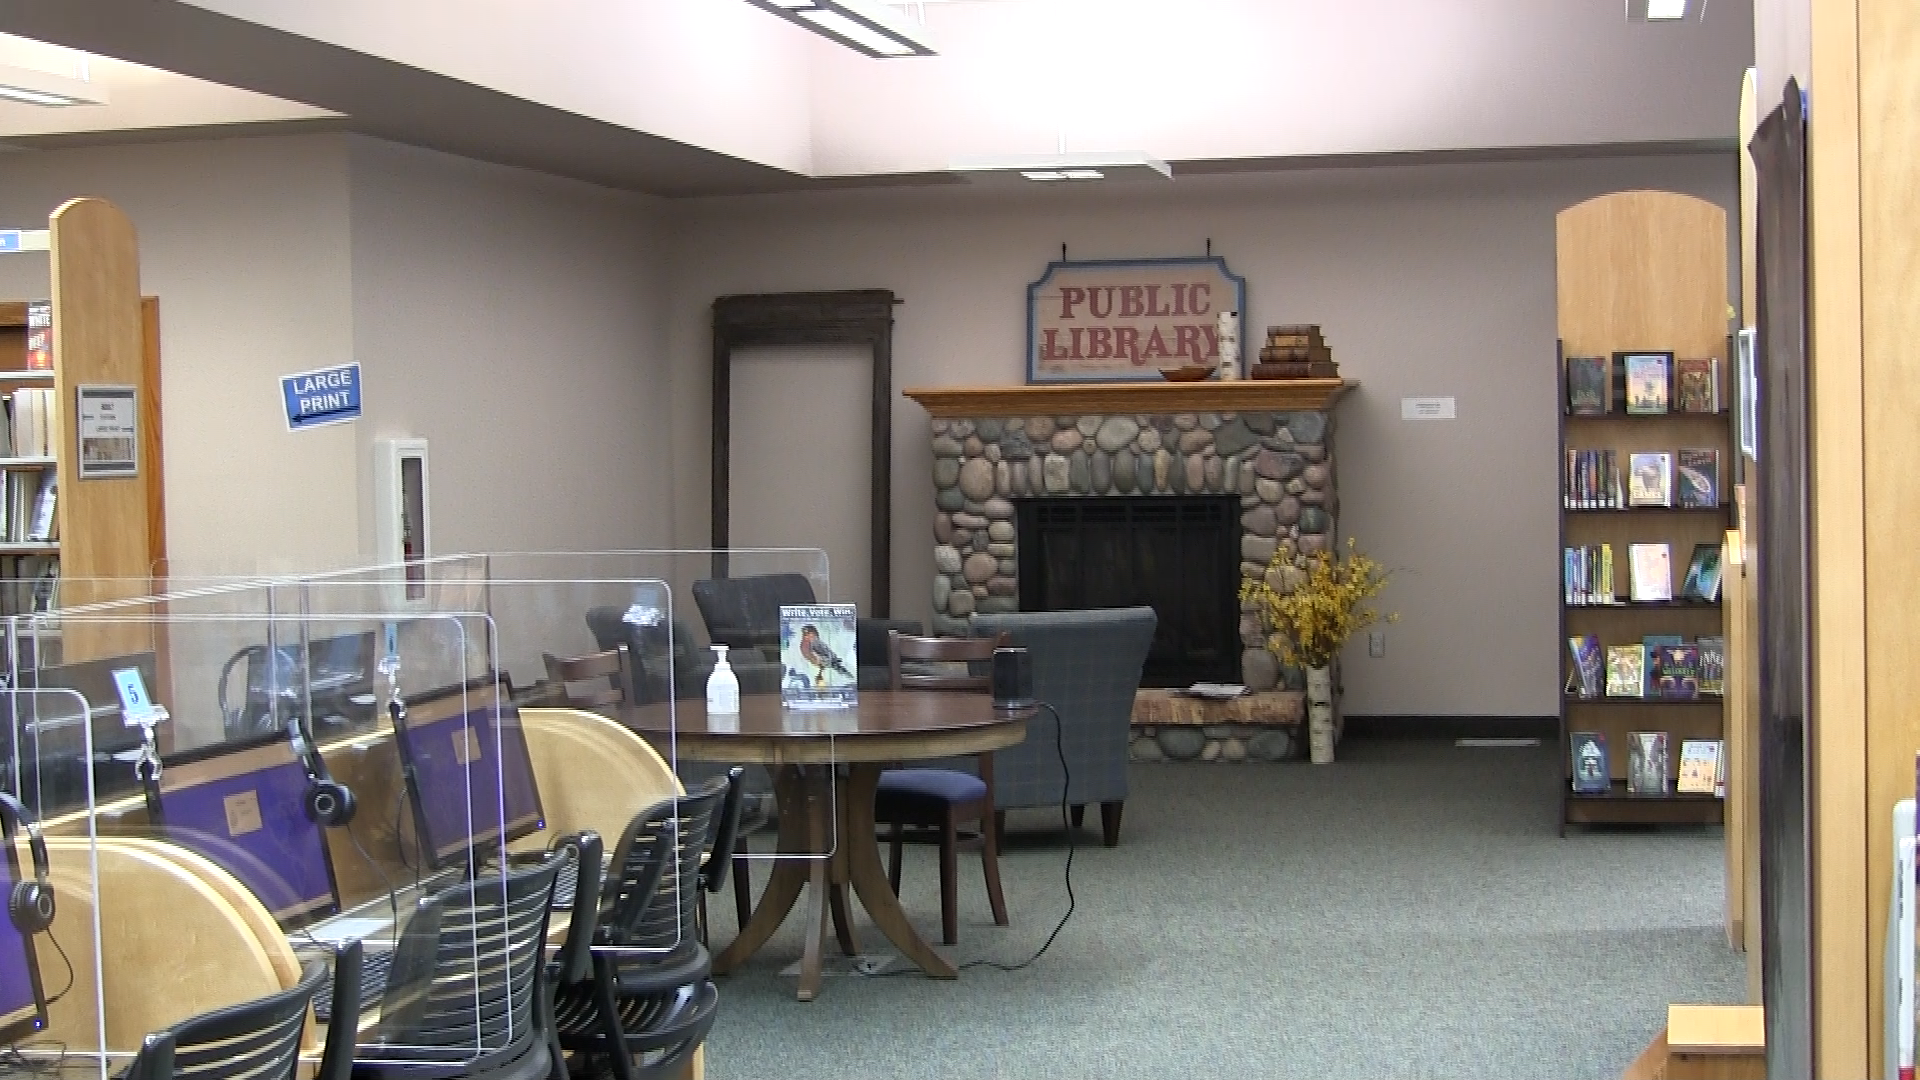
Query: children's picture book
(1650,479)
(1649,377)
(1626,670)
(1696,384)
(1588,666)
(817,656)
(1697,481)
(1674,671)
(1647,763)
(1589,385)
(1713,665)
(1589,765)
(1703,574)
(1699,766)
(1650,567)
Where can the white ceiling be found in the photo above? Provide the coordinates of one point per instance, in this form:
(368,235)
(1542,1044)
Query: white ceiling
(694,96)
(138,97)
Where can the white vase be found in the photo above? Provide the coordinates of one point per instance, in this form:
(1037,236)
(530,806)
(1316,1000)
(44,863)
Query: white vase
(1229,331)
(1322,726)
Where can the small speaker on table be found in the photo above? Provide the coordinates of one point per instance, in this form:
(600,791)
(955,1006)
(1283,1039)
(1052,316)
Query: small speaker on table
(1012,678)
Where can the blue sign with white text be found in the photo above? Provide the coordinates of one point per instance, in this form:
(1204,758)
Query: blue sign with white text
(328,396)
(9,239)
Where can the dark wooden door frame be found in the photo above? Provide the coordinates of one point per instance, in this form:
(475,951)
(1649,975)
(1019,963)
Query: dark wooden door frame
(853,317)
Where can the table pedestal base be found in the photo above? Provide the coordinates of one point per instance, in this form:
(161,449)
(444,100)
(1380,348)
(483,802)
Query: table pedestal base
(819,815)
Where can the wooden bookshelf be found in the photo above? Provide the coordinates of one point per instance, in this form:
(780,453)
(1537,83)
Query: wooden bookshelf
(104,332)
(1642,271)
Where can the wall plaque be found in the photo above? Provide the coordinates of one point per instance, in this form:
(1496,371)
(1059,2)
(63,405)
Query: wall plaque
(1124,319)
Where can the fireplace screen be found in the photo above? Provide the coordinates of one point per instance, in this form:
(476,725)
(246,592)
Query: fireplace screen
(1178,554)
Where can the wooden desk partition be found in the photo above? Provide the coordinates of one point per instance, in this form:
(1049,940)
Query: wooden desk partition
(181,936)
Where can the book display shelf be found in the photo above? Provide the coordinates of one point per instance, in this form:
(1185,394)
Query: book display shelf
(60,522)
(1645,383)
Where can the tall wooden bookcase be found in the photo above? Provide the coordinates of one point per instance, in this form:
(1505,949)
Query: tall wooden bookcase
(1642,271)
(110,531)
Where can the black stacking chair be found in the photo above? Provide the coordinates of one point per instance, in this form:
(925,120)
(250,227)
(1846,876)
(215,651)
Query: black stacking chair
(726,835)
(644,1001)
(467,995)
(259,1040)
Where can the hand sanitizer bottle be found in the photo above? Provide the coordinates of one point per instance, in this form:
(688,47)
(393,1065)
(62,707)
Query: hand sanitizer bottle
(723,688)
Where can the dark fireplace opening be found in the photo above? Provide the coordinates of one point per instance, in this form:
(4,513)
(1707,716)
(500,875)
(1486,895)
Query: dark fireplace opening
(1179,554)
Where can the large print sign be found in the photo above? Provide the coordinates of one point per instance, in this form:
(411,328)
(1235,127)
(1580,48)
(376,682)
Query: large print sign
(1127,319)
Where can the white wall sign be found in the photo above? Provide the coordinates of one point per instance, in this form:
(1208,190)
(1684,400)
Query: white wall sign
(1426,408)
(109,432)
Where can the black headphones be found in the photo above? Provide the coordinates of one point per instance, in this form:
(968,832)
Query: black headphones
(328,802)
(30,904)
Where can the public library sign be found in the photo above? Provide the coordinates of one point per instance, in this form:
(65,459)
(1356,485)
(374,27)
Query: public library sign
(1108,320)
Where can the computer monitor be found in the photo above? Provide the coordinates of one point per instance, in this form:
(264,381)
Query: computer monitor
(23,1006)
(339,676)
(464,796)
(242,806)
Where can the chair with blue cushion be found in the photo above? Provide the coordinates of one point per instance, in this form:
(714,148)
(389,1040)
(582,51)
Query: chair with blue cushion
(942,799)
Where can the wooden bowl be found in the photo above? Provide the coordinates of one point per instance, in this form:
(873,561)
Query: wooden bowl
(1186,373)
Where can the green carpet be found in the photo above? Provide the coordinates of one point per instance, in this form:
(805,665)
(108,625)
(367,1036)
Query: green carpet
(1407,912)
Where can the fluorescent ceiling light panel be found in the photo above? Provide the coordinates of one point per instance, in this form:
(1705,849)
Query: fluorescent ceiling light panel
(1068,166)
(31,87)
(1665,10)
(861,25)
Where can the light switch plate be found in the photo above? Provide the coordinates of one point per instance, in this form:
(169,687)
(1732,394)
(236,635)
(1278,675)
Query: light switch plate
(1377,643)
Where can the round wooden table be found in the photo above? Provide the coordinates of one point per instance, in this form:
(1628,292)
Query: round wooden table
(827,833)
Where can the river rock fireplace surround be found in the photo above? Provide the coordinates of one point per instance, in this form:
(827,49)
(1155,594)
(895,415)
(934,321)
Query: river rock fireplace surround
(1005,458)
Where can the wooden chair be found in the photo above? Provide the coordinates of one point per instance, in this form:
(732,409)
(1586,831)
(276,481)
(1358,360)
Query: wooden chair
(942,798)
(615,666)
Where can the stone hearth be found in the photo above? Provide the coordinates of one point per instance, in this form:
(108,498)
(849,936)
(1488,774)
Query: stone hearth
(1270,444)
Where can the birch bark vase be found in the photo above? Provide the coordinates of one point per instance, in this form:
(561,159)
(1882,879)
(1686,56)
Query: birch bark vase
(1320,719)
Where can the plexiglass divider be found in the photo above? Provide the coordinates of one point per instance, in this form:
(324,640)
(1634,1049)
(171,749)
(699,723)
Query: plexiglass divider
(267,784)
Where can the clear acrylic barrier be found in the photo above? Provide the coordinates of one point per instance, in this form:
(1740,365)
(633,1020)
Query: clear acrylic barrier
(51,1014)
(266,786)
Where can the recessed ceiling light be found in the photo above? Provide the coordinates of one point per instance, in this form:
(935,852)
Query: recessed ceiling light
(30,87)
(1666,10)
(1094,166)
(861,25)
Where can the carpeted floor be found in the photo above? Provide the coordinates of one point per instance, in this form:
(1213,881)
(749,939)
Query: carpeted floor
(1407,912)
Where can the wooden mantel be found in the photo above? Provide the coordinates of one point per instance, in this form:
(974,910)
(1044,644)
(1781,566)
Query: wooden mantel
(1064,399)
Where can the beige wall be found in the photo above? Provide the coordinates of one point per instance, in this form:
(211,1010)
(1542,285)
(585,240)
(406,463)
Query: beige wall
(245,241)
(1431,280)
(1782,47)
(513,321)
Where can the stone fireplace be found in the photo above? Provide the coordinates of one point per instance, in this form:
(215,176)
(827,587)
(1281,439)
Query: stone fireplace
(1010,464)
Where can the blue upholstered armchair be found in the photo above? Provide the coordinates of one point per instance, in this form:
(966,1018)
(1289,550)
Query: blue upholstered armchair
(1086,664)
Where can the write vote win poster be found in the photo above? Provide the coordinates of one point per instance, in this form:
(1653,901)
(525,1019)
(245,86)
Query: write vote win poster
(817,663)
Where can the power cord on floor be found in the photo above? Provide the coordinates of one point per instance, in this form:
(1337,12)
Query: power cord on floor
(37,1058)
(1066,820)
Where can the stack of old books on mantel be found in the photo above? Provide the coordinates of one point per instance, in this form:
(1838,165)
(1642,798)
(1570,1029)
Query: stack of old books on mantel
(1295,352)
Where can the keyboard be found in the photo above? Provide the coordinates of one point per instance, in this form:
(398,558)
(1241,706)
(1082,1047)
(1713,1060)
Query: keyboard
(374,969)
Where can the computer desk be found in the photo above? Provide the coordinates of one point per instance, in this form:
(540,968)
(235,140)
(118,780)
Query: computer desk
(180,936)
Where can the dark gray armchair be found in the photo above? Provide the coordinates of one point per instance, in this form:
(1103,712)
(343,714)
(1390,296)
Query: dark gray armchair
(1086,664)
(744,614)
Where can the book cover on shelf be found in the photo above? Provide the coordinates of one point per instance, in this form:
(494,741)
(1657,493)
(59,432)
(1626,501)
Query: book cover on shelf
(1650,479)
(1589,385)
(1650,568)
(41,528)
(1649,377)
(1626,671)
(40,335)
(1588,767)
(817,656)
(1674,671)
(1652,642)
(1698,477)
(1694,384)
(1720,768)
(1713,665)
(1588,665)
(1699,766)
(1703,574)
(1647,772)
